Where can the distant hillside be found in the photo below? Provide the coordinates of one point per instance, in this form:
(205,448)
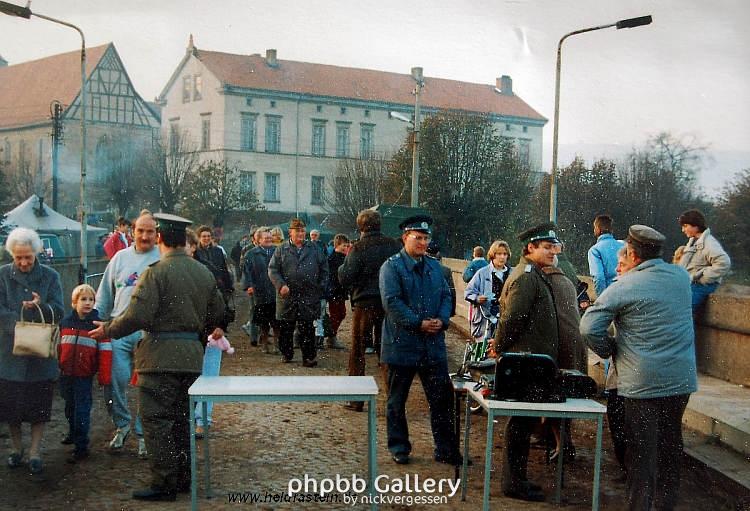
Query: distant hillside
(719,166)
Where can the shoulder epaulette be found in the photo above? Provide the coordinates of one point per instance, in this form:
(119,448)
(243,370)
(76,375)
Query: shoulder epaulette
(395,256)
(527,269)
(154,263)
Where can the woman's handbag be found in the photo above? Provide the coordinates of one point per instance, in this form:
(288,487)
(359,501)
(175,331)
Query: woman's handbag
(36,339)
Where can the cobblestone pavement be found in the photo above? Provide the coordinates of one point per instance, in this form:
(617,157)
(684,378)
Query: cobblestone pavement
(257,448)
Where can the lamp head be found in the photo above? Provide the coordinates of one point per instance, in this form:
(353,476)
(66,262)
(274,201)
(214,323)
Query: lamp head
(634,22)
(15,10)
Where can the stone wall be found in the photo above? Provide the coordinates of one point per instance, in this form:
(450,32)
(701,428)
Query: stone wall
(722,336)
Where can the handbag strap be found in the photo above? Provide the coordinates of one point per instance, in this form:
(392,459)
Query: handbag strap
(41,314)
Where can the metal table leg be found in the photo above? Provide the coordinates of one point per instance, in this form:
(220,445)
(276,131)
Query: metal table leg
(465,467)
(597,463)
(488,460)
(206,455)
(193,460)
(560,456)
(372,459)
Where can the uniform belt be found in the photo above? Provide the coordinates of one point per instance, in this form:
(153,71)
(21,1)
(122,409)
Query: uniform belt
(187,336)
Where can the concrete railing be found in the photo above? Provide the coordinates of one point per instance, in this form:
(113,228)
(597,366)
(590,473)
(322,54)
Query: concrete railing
(722,336)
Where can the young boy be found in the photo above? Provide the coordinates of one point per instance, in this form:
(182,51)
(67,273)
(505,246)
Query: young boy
(80,358)
(337,295)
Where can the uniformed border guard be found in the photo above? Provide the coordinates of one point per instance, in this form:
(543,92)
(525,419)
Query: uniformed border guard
(173,301)
(528,323)
(417,305)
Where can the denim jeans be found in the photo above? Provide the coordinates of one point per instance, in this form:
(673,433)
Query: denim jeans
(701,292)
(76,391)
(211,367)
(122,371)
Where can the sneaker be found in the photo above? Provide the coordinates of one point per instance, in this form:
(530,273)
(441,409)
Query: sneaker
(369,351)
(35,466)
(400,458)
(15,459)
(68,440)
(118,441)
(142,451)
(199,432)
(310,363)
(246,328)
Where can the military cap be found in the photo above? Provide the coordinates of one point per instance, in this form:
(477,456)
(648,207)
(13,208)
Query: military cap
(166,222)
(645,236)
(542,232)
(296,223)
(417,223)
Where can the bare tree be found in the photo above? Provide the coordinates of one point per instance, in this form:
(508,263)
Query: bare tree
(214,190)
(23,182)
(171,162)
(357,185)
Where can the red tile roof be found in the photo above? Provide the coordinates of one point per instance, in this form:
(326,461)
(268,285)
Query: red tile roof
(27,89)
(252,72)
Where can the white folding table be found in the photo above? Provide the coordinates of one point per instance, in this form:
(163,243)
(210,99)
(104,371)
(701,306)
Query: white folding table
(279,389)
(570,409)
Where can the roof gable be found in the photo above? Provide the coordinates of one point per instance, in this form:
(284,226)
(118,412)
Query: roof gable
(252,72)
(27,89)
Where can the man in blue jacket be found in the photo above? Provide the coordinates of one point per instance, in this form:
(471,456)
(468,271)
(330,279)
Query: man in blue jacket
(417,304)
(654,352)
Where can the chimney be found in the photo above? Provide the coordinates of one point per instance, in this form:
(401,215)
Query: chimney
(3,62)
(505,85)
(271,58)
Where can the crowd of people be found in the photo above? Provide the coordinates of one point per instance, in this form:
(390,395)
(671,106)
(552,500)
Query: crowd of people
(166,298)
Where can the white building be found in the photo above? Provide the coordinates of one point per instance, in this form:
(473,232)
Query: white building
(287,124)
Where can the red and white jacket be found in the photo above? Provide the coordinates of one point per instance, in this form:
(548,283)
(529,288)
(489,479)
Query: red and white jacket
(80,355)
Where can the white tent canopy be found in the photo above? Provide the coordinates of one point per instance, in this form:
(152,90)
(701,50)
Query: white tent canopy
(44,220)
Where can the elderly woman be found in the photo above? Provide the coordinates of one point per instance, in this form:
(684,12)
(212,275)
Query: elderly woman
(26,383)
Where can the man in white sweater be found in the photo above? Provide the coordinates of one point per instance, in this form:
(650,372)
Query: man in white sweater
(112,299)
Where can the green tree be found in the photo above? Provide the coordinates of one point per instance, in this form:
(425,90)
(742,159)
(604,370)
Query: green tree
(470,180)
(731,224)
(213,191)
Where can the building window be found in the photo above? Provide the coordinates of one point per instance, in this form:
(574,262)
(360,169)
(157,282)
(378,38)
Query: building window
(198,89)
(525,129)
(319,108)
(273,104)
(205,132)
(507,127)
(273,134)
(317,190)
(174,137)
(248,131)
(187,88)
(319,138)
(249,101)
(247,182)
(366,141)
(524,148)
(271,187)
(367,113)
(343,110)
(342,140)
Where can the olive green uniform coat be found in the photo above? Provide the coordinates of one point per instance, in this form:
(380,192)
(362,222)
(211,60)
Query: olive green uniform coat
(174,300)
(528,321)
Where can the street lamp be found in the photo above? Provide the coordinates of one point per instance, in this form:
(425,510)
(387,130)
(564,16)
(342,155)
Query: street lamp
(416,73)
(628,23)
(25,12)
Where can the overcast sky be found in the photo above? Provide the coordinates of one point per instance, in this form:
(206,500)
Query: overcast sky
(687,73)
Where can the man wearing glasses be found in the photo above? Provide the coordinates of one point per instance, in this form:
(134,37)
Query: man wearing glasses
(417,305)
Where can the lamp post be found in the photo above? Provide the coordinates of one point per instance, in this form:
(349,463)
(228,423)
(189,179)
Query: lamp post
(416,73)
(628,23)
(25,12)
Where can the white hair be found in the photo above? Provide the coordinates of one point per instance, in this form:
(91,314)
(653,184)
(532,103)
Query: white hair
(25,237)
